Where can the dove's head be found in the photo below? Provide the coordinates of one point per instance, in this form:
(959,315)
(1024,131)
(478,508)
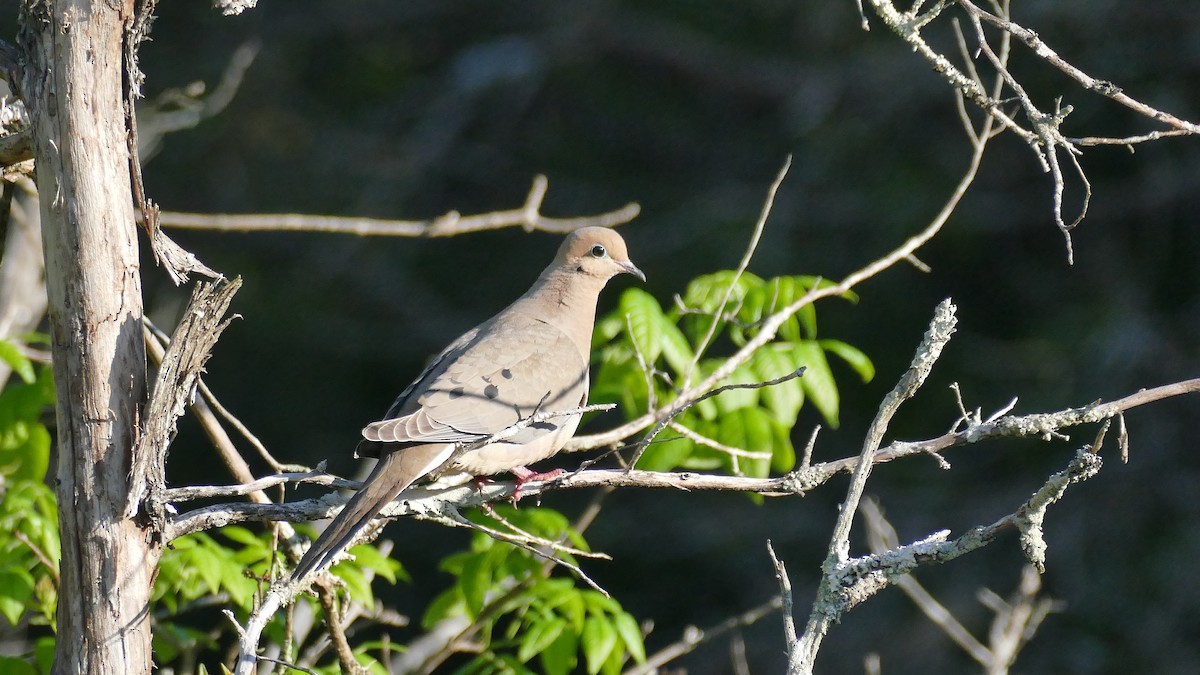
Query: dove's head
(597,253)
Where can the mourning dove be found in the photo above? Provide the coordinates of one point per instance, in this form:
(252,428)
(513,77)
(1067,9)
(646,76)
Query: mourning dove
(530,358)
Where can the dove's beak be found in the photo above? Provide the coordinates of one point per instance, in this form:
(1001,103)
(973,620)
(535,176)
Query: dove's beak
(628,266)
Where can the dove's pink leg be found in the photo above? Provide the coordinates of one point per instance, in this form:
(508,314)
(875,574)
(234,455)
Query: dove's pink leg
(525,475)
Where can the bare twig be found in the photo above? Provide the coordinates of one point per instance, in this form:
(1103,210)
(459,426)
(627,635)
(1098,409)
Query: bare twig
(337,630)
(743,264)
(1129,141)
(694,637)
(678,407)
(50,565)
(212,401)
(785,595)
(531,543)
(178,109)
(707,442)
(1015,622)
(1048,139)
(453,223)
(155,348)
(194,492)
(1017,619)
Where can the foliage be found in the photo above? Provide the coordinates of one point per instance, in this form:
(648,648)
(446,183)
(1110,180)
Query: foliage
(523,613)
(29,540)
(199,568)
(24,439)
(722,309)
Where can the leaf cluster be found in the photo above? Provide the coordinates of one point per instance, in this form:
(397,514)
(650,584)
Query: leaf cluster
(648,354)
(522,614)
(30,548)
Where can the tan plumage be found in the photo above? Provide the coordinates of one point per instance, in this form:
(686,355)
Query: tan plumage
(531,357)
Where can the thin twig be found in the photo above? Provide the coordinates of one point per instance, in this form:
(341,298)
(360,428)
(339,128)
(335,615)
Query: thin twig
(678,407)
(785,595)
(526,542)
(528,216)
(694,637)
(237,424)
(337,630)
(743,264)
(707,442)
(38,553)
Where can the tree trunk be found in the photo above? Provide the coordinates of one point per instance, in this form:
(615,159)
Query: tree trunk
(74,90)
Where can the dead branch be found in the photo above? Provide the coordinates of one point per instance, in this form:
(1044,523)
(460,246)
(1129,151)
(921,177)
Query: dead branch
(190,348)
(826,609)
(451,224)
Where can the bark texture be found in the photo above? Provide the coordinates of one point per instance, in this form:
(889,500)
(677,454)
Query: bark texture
(74,89)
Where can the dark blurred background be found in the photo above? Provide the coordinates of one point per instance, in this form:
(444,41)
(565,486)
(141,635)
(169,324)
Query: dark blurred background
(411,109)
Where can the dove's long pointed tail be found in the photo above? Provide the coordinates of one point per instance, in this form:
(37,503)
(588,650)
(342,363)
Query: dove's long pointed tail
(395,471)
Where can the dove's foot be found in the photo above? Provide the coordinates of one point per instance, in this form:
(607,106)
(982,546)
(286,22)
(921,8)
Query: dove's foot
(525,475)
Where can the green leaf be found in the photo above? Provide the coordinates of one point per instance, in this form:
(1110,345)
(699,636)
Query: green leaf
(763,300)
(25,451)
(539,636)
(11,665)
(818,382)
(356,582)
(207,564)
(631,635)
(599,638)
(369,557)
(705,294)
(622,382)
(240,587)
(748,429)
(573,609)
(447,604)
(805,319)
(607,328)
(241,535)
(598,603)
(664,455)
(851,355)
(474,581)
(561,656)
(645,322)
(20,363)
(784,399)
(675,348)
(16,588)
(43,653)
(24,440)
(735,399)
(783,456)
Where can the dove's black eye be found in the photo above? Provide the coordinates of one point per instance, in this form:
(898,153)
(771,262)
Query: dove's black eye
(598,251)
